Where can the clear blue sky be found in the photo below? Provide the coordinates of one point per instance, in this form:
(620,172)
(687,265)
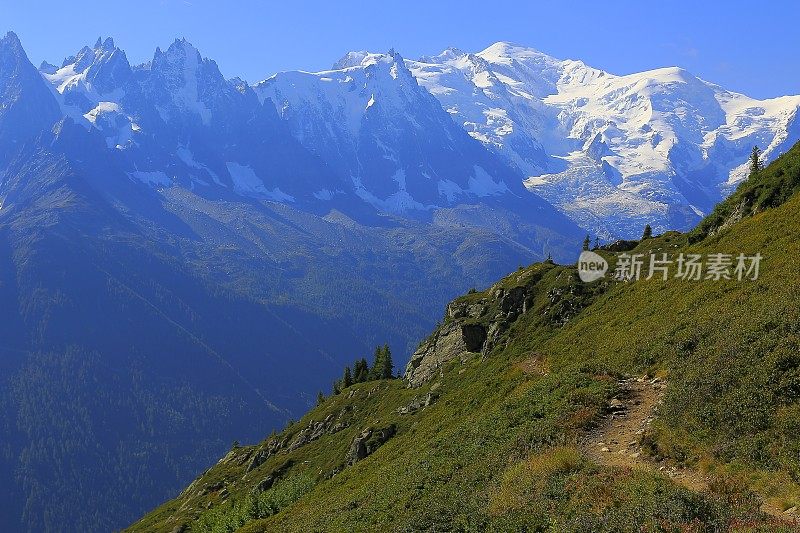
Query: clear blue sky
(751,47)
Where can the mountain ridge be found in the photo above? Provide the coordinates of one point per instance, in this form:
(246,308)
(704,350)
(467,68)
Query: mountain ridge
(498,432)
(171,282)
(613,160)
(603,149)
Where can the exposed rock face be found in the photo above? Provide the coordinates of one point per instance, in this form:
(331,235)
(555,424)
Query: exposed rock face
(315,430)
(208,488)
(272,477)
(470,327)
(367,442)
(741,210)
(264,484)
(620,246)
(268,449)
(358,449)
(418,403)
(446,344)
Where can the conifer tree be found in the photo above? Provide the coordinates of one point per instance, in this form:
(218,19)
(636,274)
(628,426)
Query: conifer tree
(387,367)
(347,380)
(755,161)
(648,232)
(361,371)
(377,363)
(320,398)
(586,242)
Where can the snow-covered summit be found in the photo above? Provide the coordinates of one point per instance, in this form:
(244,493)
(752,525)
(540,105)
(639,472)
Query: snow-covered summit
(370,119)
(613,152)
(351,59)
(93,71)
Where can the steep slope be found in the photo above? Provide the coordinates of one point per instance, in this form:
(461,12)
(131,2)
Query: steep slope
(766,189)
(27,106)
(372,121)
(660,147)
(175,244)
(362,140)
(151,217)
(142,355)
(487,431)
(128,314)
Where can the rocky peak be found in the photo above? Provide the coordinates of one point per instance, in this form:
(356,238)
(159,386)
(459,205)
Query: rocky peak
(448,54)
(99,70)
(110,68)
(14,63)
(181,75)
(10,46)
(178,61)
(48,68)
(26,104)
(391,62)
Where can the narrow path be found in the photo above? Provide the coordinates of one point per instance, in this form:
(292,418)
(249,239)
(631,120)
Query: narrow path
(616,442)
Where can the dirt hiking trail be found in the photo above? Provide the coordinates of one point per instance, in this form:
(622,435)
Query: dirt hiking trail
(616,442)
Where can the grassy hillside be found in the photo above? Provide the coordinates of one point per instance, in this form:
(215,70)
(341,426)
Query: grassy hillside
(142,331)
(769,188)
(496,440)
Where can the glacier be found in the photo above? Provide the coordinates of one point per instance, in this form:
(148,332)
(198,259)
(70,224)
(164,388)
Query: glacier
(612,152)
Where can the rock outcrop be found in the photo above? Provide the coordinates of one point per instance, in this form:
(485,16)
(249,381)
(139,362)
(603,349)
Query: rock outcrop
(418,403)
(471,327)
(367,442)
(264,452)
(315,430)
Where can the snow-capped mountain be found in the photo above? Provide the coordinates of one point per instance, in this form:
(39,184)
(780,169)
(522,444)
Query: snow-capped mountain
(407,137)
(612,152)
(372,122)
(398,151)
(177,121)
(363,137)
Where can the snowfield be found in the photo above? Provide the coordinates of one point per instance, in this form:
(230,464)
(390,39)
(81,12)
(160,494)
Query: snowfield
(660,147)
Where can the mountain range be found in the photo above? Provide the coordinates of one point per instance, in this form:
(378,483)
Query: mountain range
(612,152)
(548,403)
(186,259)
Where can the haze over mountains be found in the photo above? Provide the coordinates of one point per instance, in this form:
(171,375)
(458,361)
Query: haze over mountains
(610,152)
(187,259)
